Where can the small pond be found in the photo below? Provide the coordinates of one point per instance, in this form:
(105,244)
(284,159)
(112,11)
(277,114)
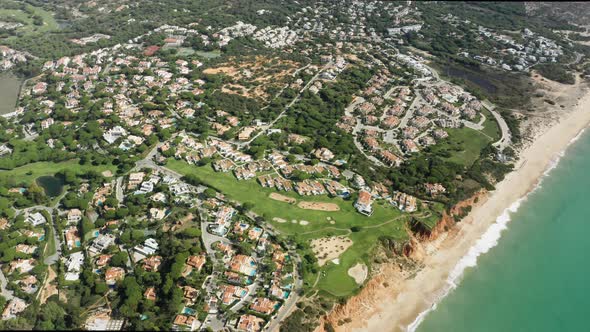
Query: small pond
(52,185)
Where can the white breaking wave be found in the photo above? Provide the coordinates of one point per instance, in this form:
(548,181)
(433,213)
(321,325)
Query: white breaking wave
(486,242)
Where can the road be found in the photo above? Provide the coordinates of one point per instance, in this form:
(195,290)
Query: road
(119,190)
(148,162)
(294,297)
(506,138)
(291,302)
(247,299)
(49,260)
(209,239)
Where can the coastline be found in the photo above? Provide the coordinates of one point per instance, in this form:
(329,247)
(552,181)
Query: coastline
(402,307)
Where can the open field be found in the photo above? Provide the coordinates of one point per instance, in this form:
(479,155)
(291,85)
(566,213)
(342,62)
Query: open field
(334,278)
(463,144)
(209,55)
(28,173)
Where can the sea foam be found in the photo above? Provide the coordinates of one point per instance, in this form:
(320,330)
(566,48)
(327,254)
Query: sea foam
(486,242)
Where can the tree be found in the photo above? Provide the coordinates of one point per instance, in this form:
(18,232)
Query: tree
(51,317)
(131,296)
(101,288)
(119,259)
(247,206)
(210,193)
(191,232)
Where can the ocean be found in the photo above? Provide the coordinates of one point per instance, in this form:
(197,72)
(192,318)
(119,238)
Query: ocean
(531,270)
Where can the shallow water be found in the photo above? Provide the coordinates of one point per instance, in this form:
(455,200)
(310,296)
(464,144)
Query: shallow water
(536,277)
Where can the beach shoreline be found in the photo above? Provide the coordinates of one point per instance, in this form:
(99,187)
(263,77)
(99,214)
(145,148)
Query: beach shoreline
(401,308)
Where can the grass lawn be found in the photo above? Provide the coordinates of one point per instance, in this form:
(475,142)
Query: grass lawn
(491,127)
(50,248)
(334,278)
(28,173)
(463,144)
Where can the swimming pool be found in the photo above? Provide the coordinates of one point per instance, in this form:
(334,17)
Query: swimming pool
(188,311)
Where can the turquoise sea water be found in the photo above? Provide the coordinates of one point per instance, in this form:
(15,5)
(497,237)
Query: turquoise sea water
(537,277)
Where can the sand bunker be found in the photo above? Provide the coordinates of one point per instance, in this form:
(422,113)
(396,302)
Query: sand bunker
(282,198)
(319,206)
(279,220)
(329,248)
(303,222)
(359,273)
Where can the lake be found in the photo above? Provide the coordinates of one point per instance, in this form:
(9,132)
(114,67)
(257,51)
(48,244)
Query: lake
(9,88)
(52,185)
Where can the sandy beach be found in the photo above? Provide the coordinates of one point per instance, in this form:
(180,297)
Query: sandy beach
(395,308)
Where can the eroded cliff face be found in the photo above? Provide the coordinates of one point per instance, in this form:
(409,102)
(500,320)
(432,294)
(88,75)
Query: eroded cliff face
(364,303)
(345,317)
(447,221)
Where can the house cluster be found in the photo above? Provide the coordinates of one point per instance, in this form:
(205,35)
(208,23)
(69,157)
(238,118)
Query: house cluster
(244,282)
(240,29)
(23,269)
(90,39)
(276,37)
(124,90)
(10,57)
(273,37)
(192,151)
(511,53)
(393,121)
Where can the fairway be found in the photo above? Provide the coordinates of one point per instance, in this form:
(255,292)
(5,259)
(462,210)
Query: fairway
(27,19)
(28,173)
(333,278)
(251,191)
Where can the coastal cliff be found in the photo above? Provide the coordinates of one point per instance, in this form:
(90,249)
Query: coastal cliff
(388,278)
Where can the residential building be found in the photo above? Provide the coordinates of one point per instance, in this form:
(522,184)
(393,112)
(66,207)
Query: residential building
(364,203)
